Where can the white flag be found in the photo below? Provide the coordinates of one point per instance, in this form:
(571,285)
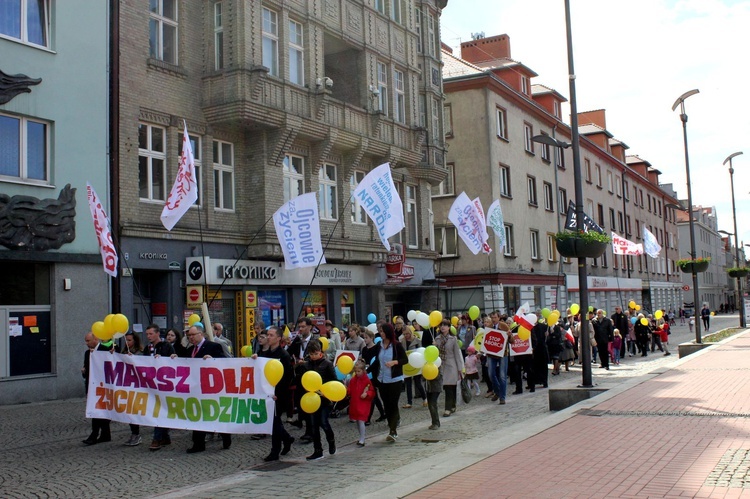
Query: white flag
(103,234)
(298,229)
(377,194)
(184,192)
(485,235)
(650,244)
(468,222)
(621,246)
(495,220)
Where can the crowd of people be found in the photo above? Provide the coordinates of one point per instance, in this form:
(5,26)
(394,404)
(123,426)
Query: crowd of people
(377,381)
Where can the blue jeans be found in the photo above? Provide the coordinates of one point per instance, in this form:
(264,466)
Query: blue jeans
(499,375)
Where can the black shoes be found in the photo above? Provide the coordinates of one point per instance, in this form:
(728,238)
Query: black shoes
(271,457)
(226,441)
(89,441)
(315,456)
(287,446)
(331,447)
(103,439)
(194,449)
(381,418)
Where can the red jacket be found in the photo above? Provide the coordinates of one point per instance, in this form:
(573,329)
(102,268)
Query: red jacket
(359,408)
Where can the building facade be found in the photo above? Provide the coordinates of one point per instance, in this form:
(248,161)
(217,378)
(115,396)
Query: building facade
(280,99)
(493,110)
(53,140)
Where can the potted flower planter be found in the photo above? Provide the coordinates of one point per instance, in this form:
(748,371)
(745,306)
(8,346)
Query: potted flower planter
(738,272)
(693,267)
(574,247)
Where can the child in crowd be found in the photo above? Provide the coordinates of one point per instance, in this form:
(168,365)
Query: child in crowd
(616,347)
(318,362)
(471,363)
(361,393)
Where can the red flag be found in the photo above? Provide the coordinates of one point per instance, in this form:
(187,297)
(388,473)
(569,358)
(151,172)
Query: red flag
(103,234)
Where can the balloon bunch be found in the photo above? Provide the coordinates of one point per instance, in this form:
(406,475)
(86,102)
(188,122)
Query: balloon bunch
(525,322)
(113,326)
(427,359)
(552,316)
(334,391)
(193,320)
(634,306)
(426,321)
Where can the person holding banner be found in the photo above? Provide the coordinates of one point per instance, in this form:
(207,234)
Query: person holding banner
(99,427)
(201,348)
(391,357)
(279,434)
(452,365)
(498,367)
(158,348)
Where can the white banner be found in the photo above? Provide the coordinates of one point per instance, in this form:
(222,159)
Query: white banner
(468,222)
(215,395)
(103,234)
(621,246)
(485,235)
(378,196)
(495,220)
(184,192)
(298,229)
(651,245)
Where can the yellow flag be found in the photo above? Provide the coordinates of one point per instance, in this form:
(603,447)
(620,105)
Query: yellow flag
(286,331)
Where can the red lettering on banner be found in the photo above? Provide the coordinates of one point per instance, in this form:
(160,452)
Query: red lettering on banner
(211,380)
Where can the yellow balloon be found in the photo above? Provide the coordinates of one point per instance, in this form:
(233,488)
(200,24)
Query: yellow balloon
(247,351)
(553,318)
(713,313)
(454,321)
(430,371)
(109,327)
(478,339)
(631,304)
(410,370)
(637,308)
(334,391)
(98,329)
(435,318)
(324,343)
(524,333)
(473,312)
(575,308)
(312,381)
(345,364)
(644,321)
(193,319)
(658,314)
(310,402)
(120,323)
(273,371)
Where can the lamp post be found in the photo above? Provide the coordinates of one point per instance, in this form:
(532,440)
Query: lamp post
(684,118)
(736,243)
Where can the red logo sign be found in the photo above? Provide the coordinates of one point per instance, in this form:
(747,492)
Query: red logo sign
(494,342)
(194,295)
(396,269)
(686,287)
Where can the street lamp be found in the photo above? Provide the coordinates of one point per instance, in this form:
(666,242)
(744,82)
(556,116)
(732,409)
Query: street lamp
(736,243)
(684,118)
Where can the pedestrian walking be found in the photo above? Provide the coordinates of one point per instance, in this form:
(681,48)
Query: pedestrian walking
(361,394)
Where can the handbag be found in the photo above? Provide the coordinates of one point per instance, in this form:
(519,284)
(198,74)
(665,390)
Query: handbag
(465,391)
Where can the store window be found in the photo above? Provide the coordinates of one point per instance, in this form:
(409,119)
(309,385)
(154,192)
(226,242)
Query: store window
(272,305)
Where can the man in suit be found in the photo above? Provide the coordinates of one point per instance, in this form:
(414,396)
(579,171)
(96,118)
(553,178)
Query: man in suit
(603,334)
(201,348)
(298,351)
(219,337)
(99,427)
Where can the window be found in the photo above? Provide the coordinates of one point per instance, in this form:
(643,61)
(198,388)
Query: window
(626,190)
(162,25)
(218,37)
(502,123)
(24,148)
(270,45)
(380,6)
(598,176)
(556,108)
(620,225)
(445,188)
(600,213)
(559,158)
(610,182)
(418,27)
(397,10)
(531,187)
(431,37)
(637,229)
(612,224)
(534,240)
(26,20)
(412,233)
(508,249)
(549,199)
(195,144)
(551,248)
(398,94)
(359,216)
(649,203)
(423,110)
(397,238)
(152,168)
(296,53)
(587,170)
(628,227)
(436,133)
(604,259)
(618,187)
(223,175)
(562,200)
(383,87)
(294,175)
(505,181)
(525,84)
(327,194)
(545,152)
(448,120)
(446,241)
(528,132)
(640,194)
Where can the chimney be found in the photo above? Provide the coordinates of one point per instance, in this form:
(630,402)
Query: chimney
(486,49)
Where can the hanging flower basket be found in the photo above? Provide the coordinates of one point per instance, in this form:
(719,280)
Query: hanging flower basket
(581,244)
(738,272)
(693,266)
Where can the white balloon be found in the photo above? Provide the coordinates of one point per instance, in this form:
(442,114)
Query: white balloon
(411,315)
(118,335)
(423,319)
(438,362)
(373,327)
(421,350)
(531,318)
(416,360)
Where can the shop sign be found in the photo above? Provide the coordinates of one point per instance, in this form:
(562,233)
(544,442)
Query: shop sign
(396,269)
(251,299)
(194,296)
(144,255)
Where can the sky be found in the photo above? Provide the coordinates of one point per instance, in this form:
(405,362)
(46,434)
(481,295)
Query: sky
(634,58)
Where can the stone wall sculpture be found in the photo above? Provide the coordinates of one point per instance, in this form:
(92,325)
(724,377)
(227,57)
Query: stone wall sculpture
(28,223)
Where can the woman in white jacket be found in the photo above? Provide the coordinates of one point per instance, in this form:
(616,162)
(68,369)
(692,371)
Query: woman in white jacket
(451,367)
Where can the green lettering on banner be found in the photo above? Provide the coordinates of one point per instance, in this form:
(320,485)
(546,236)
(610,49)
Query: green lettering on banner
(260,414)
(193,409)
(210,409)
(175,408)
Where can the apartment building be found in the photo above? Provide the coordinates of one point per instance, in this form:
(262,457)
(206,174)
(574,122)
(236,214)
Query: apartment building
(53,141)
(280,98)
(493,110)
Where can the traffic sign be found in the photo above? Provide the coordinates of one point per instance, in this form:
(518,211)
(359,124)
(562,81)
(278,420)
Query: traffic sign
(686,288)
(194,296)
